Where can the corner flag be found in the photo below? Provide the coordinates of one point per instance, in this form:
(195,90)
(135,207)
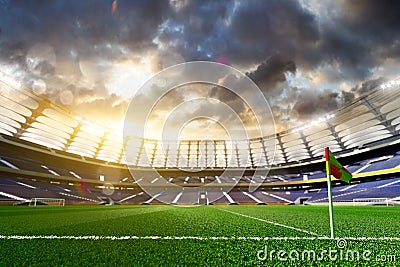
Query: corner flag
(339,172)
(335,168)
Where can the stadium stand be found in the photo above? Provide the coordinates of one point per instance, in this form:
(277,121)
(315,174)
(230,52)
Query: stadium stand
(47,151)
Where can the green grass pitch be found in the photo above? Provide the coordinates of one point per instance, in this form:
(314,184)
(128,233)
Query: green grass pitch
(197,236)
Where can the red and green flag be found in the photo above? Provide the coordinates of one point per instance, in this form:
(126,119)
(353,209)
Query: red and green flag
(335,168)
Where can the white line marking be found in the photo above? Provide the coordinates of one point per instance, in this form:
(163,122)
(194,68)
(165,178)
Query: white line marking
(8,164)
(391,183)
(79,197)
(178,196)
(154,197)
(125,199)
(75,175)
(340,195)
(275,196)
(362,168)
(228,197)
(383,158)
(254,238)
(252,197)
(280,178)
(53,172)
(50,171)
(348,187)
(271,222)
(26,185)
(12,196)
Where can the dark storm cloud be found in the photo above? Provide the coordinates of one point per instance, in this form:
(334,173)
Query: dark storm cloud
(376,21)
(337,45)
(269,76)
(313,102)
(265,39)
(76,30)
(222,94)
(356,39)
(367,86)
(271,72)
(358,35)
(347,96)
(85,29)
(291,37)
(58,21)
(266,27)
(203,16)
(195,29)
(239,33)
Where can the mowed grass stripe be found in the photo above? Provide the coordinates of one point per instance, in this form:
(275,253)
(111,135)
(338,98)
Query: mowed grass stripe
(378,221)
(202,238)
(273,223)
(178,221)
(186,252)
(150,221)
(308,218)
(200,221)
(25,210)
(170,236)
(30,222)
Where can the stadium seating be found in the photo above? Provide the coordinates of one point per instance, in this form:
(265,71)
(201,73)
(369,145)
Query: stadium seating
(47,151)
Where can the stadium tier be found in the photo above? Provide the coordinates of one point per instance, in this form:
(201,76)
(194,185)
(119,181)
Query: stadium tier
(28,116)
(49,152)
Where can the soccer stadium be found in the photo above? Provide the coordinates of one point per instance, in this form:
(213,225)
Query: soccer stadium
(50,153)
(255,188)
(52,157)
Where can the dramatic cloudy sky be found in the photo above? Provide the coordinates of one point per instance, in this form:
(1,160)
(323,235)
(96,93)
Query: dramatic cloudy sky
(308,57)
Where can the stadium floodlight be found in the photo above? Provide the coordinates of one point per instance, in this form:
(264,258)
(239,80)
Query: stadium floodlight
(314,122)
(390,84)
(75,175)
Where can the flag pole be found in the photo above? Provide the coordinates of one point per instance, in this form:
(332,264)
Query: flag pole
(328,177)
